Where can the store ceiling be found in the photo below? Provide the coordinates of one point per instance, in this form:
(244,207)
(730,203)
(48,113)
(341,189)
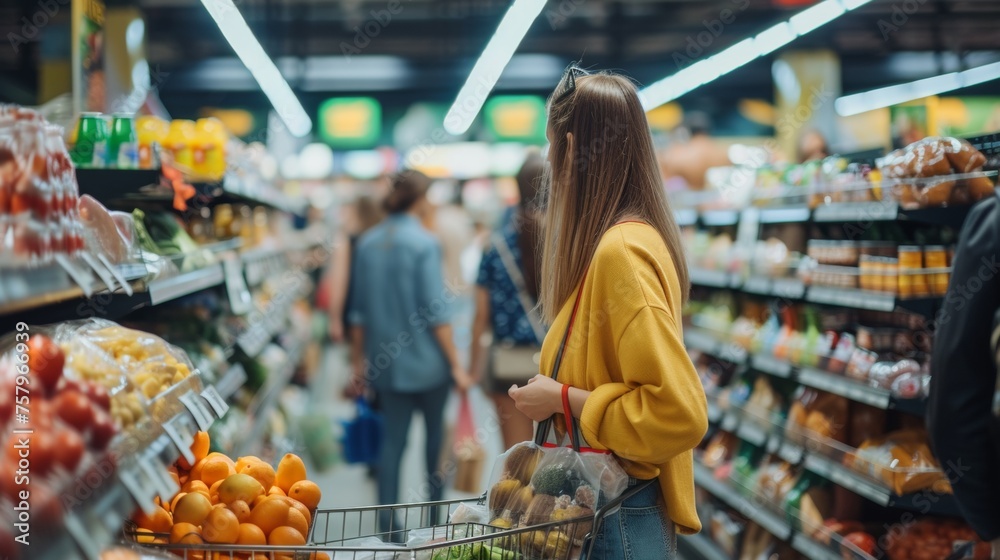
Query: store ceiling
(427,48)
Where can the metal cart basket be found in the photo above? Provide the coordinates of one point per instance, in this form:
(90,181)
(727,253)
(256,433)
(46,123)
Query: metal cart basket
(419,531)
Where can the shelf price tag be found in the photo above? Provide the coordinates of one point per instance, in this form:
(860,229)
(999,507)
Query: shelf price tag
(158,476)
(196,406)
(729,422)
(236,286)
(139,486)
(215,400)
(181,436)
(79,274)
(103,273)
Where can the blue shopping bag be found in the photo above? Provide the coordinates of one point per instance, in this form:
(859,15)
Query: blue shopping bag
(363,435)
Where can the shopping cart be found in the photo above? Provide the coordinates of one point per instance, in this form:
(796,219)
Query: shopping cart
(419,531)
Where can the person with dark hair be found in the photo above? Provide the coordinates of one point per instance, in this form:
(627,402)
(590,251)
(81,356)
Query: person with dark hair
(400,330)
(506,296)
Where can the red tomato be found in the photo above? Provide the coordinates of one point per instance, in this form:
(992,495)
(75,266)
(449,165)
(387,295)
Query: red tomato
(43,453)
(46,359)
(69,449)
(862,540)
(75,409)
(6,406)
(98,395)
(102,430)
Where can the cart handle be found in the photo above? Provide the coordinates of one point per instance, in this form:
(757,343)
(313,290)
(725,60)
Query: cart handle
(606,511)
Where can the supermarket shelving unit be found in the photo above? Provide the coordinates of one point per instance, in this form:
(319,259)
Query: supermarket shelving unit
(75,289)
(773,438)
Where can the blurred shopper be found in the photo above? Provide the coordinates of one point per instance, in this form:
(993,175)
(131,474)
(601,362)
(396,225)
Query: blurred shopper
(812,146)
(962,416)
(695,152)
(506,301)
(335,287)
(613,269)
(400,312)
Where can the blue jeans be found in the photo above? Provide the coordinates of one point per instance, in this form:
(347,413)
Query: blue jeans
(397,410)
(639,530)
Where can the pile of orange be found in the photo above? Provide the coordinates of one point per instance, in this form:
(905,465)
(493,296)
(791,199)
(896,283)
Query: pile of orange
(242,502)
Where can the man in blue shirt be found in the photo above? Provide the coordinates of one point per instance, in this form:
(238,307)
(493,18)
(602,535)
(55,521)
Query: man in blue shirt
(403,341)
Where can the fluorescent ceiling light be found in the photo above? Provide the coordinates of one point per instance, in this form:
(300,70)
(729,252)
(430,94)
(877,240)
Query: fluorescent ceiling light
(745,51)
(491,63)
(279,93)
(901,93)
(816,16)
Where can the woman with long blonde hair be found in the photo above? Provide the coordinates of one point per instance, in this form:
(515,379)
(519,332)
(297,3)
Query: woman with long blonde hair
(614,281)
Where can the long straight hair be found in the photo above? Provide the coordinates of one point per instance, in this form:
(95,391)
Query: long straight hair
(603,169)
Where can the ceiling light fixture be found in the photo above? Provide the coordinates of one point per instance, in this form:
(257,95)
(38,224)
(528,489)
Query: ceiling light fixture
(234,28)
(491,63)
(764,43)
(901,93)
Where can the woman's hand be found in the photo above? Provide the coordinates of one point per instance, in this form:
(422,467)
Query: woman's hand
(463,380)
(539,399)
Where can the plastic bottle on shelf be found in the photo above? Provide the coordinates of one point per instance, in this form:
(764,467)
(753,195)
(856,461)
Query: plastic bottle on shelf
(180,142)
(151,133)
(209,149)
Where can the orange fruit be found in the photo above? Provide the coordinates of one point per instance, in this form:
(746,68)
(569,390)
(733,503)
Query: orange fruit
(261,471)
(143,536)
(173,502)
(221,526)
(160,540)
(241,509)
(195,486)
(215,469)
(275,491)
(239,487)
(223,456)
(285,536)
(269,514)
(297,521)
(216,504)
(158,522)
(319,556)
(214,490)
(192,508)
(258,500)
(290,470)
(297,505)
(185,533)
(250,534)
(199,448)
(307,492)
(246,461)
(195,472)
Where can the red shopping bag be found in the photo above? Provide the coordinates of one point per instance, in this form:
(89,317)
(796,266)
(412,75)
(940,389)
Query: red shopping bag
(468,453)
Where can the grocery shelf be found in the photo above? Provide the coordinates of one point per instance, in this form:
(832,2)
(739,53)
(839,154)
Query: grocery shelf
(812,549)
(771,522)
(889,211)
(771,366)
(166,289)
(231,381)
(857,391)
(686,217)
(925,502)
(784,214)
(125,189)
(710,278)
(869,300)
(700,545)
(708,343)
(718,218)
(68,279)
(266,399)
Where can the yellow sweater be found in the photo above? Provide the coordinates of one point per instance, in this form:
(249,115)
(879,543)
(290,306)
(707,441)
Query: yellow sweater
(647,404)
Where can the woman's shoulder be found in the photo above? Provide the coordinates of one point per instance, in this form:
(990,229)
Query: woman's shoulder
(632,258)
(627,241)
